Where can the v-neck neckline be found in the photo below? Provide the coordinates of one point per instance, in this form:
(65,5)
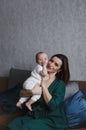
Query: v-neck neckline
(51,84)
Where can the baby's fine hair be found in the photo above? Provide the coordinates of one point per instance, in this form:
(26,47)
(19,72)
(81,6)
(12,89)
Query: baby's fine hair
(41,52)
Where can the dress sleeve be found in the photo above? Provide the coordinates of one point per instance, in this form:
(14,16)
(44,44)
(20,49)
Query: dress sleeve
(57,96)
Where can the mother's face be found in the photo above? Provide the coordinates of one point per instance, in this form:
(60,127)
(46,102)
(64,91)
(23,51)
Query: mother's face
(54,65)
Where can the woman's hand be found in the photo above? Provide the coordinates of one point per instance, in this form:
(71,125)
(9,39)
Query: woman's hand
(37,89)
(44,81)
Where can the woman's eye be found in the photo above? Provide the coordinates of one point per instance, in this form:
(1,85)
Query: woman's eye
(51,60)
(56,64)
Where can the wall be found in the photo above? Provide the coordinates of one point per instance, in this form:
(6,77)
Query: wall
(54,26)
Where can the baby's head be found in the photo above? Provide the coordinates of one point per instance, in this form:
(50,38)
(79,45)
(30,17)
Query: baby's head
(41,58)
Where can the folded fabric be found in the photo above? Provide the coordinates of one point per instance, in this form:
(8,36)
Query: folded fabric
(75,108)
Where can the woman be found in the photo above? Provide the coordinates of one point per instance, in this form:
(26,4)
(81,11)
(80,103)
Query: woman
(48,112)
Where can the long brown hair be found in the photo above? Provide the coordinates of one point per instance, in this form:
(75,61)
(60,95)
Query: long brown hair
(64,74)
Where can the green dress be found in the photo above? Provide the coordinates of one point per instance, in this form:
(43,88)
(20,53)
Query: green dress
(44,116)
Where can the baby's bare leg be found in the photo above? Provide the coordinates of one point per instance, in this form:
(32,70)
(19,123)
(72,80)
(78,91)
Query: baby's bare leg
(29,103)
(18,104)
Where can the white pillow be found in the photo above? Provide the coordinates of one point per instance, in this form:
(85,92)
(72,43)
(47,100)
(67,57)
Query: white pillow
(71,89)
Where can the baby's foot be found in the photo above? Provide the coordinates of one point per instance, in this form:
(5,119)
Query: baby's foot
(28,106)
(18,104)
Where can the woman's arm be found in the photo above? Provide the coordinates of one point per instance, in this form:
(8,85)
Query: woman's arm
(47,96)
(35,91)
(54,100)
(25,93)
(58,96)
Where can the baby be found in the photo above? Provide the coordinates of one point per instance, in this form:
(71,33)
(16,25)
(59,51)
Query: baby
(36,75)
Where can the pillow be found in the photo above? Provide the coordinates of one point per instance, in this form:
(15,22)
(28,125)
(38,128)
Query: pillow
(75,108)
(17,76)
(71,89)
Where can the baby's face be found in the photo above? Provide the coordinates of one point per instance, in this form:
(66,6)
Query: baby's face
(42,59)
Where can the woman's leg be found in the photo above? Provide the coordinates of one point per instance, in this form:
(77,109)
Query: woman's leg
(28,123)
(37,124)
(17,124)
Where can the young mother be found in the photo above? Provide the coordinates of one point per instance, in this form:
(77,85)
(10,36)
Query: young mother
(48,112)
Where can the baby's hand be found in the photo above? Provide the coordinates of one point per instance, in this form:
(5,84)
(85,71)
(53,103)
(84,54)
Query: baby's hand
(45,62)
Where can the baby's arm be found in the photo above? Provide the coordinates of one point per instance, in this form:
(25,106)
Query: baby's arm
(42,70)
(43,73)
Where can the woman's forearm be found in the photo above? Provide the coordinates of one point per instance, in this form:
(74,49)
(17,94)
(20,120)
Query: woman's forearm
(25,93)
(46,94)
(35,91)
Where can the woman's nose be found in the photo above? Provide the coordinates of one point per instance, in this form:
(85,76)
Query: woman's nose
(52,64)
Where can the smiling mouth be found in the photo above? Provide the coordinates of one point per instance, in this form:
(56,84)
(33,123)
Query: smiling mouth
(50,67)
